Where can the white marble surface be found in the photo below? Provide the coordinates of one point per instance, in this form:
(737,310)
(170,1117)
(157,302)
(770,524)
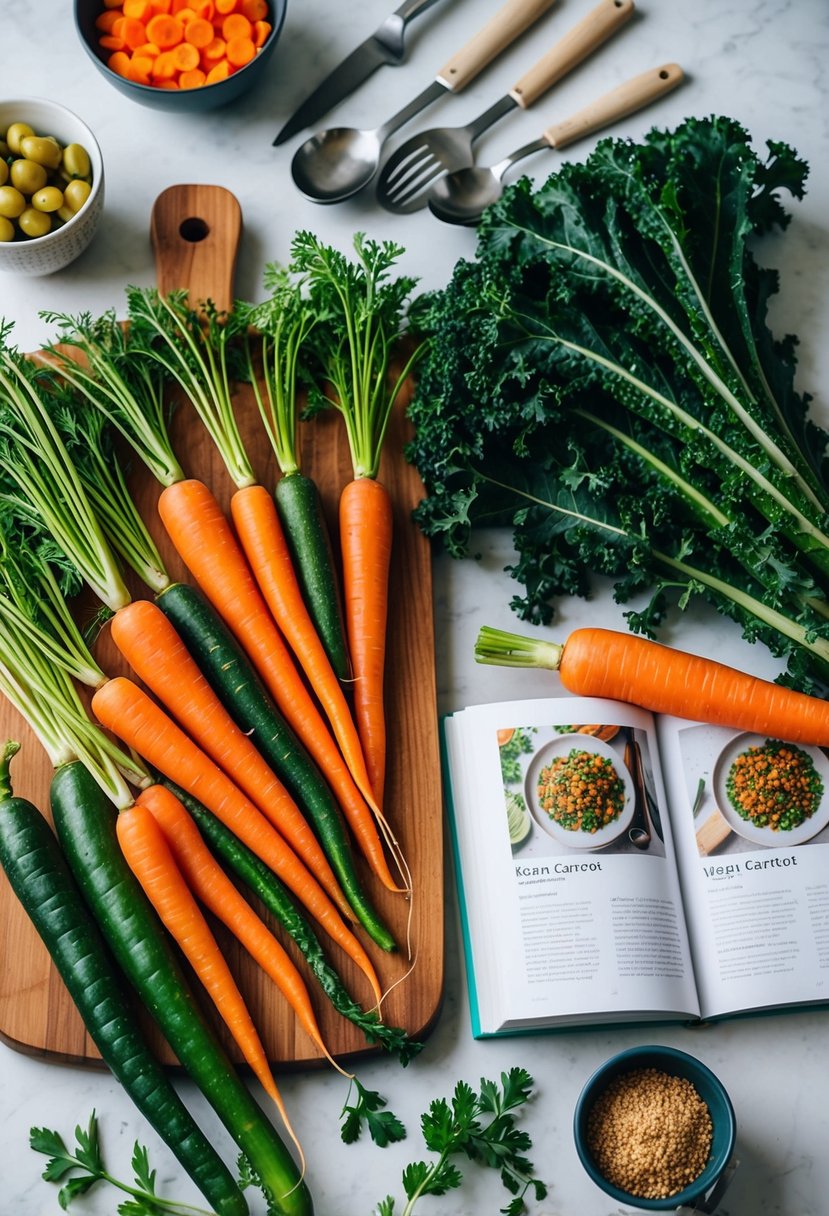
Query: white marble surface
(765,63)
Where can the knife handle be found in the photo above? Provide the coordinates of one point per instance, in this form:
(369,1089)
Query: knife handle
(511,20)
(412,8)
(618,103)
(585,37)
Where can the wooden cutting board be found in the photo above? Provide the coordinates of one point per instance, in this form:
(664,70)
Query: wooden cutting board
(196,231)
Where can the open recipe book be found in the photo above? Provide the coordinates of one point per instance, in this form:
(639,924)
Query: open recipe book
(615,867)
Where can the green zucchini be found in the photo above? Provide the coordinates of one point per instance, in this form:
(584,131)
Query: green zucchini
(300,510)
(262,882)
(40,878)
(85,824)
(228,670)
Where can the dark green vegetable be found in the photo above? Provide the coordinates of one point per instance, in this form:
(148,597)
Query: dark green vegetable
(603,379)
(85,824)
(41,880)
(264,883)
(228,670)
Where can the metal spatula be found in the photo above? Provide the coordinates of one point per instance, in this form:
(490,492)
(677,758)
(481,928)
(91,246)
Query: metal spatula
(408,174)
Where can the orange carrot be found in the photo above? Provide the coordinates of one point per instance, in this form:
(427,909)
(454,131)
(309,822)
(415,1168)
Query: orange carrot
(624,667)
(122,707)
(203,538)
(365,541)
(211,885)
(151,860)
(156,653)
(262,537)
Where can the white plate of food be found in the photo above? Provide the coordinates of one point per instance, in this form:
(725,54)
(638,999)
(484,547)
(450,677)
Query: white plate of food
(772,793)
(580,791)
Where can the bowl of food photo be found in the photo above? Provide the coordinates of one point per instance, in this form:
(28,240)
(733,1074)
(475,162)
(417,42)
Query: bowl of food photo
(655,1129)
(191,59)
(51,186)
(579,791)
(770,792)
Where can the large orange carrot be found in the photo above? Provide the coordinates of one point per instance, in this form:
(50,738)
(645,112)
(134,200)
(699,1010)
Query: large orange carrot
(211,885)
(202,536)
(365,542)
(156,653)
(261,535)
(151,860)
(125,709)
(624,667)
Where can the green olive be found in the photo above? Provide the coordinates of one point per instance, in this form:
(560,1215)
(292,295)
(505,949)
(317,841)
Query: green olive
(76,193)
(42,148)
(34,223)
(12,202)
(27,175)
(16,132)
(76,160)
(6,229)
(47,199)
(4,172)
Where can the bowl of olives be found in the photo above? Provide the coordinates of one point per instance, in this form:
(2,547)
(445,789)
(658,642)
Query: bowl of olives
(51,186)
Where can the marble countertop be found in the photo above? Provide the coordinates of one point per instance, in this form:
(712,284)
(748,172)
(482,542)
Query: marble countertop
(765,63)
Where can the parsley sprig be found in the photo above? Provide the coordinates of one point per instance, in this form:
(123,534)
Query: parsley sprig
(384,1127)
(481,1126)
(88,1159)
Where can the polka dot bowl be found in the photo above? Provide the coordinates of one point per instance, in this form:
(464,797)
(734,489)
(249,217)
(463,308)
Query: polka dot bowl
(710,1183)
(44,255)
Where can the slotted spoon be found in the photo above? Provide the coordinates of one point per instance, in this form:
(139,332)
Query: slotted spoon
(408,174)
(462,196)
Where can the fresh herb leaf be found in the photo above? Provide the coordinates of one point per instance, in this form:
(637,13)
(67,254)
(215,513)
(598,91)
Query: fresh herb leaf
(383,1125)
(482,1127)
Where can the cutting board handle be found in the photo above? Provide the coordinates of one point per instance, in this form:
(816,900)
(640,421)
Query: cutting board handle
(195,233)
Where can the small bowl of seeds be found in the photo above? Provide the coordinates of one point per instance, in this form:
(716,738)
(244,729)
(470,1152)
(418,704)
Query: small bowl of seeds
(655,1129)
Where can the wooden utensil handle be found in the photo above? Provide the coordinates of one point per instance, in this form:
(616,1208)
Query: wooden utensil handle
(625,99)
(585,37)
(195,233)
(502,29)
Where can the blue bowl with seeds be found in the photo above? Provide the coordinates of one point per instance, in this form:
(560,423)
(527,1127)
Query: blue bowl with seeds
(655,1129)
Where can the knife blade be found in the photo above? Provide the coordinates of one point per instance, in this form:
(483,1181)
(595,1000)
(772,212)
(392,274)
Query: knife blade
(386,46)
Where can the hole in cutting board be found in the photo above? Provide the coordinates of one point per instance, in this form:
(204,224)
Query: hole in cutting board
(193,230)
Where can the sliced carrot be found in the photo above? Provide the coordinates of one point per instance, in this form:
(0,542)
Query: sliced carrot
(199,32)
(149,856)
(110,43)
(167,84)
(211,885)
(148,49)
(163,67)
(165,31)
(105,20)
(185,57)
(186,15)
(161,6)
(119,62)
(158,656)
(223,7)
(203,8)
(236,25)
(261,30)
(139,70)
(126,710)
(139,9)
(118,25)
(192,79)
(219,71)
(240,51)
(134,32)
(213,52)
(255,10)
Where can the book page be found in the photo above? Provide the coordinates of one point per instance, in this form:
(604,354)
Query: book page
(569,890)
(751,825)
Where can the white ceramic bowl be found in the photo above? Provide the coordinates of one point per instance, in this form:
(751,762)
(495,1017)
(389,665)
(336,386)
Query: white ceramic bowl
(46,254)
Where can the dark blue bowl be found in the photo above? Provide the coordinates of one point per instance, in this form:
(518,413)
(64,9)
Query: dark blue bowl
(709,1088)
(182,101)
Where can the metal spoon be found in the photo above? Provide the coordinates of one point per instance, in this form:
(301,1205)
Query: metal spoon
(336,163)
(461,197)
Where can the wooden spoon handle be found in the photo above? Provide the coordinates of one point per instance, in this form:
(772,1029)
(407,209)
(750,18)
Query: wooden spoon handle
(585,37)
(195,233)
(623,100)
(511,20)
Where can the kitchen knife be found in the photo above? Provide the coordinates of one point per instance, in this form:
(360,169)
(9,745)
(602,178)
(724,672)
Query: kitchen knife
(385,46)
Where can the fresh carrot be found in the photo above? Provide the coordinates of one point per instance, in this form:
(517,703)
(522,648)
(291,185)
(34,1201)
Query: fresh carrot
(156,653)
(366,541)
(211,885)
(260,533)
(122,707)
(204,540)
(148,854)
(624,667)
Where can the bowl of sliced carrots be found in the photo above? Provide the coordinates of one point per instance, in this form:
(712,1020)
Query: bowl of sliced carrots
(181,55)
